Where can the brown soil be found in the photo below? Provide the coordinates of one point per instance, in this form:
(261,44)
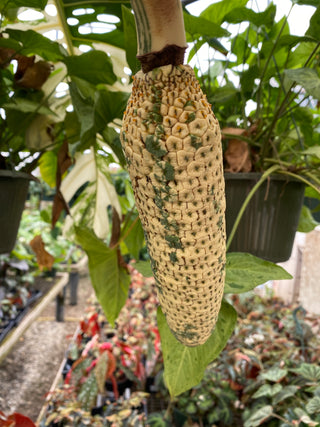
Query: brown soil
(28,372)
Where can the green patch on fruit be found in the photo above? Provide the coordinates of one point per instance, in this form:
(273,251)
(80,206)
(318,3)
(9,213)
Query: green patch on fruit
(153,146)
(186,334)
(174,241)
(189,103)
(168,225)
(173,257)
(155,117)
(159,130)
(191,117)
(168,172)
(195,142)
(220,222)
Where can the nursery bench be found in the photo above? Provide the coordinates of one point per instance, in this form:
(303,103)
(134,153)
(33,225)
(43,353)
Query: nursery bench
(57,291)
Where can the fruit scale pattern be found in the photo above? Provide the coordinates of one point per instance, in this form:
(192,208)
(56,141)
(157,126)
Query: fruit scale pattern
(172,143)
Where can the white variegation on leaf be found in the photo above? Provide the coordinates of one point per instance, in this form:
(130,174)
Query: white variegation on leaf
(91,207)
(37,135)
(57,76)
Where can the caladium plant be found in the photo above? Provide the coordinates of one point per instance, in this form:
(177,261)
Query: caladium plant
(15,419)
(15,288)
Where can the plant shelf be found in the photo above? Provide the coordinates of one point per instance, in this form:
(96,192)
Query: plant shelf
(13,337)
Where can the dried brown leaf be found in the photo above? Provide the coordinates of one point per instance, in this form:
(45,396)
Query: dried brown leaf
(64,160)
(32,74)
(115,235)
(44,258)
(58,205)
(237,156)
(233,131)
(63,163)
(6,56)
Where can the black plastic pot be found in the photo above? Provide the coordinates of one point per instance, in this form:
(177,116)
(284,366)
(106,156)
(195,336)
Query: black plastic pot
(121,384)
(67,366)
(13,194)
(5,329)
(12,323)
(268,226)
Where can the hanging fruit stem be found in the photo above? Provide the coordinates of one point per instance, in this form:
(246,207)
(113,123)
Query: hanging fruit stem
(160,31)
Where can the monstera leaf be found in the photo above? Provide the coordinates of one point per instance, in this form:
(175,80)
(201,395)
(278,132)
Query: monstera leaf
(90,174)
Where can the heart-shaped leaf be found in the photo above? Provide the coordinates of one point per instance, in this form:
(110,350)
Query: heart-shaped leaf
(184,367)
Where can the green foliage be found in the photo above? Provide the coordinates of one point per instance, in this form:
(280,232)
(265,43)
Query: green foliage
(185,366)
(242,14)
(144,267)
(84,109)
(313,406)
(96,111)
(109,279)
(306,222)
(306,77)
(134,239)
(217,12)
(244,272)
(200,26)
(38,222)
(94,67)
(274,374)
(314,26)
(259,416)
(33,43)
(14,4)
(271,65)
(111,137)
(109,106)
(130,39)
(48,168)
(158,420)
(115,37)
(88,392)
(264,374)
(258,378)
(308,372)
(88,76)
(276,72)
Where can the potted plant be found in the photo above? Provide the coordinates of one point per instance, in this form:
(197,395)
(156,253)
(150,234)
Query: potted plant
(17,112)
(16,293)
(31,67)
(27,118)
(130,351)
(107,368)
(270,362)
(264,374)
(263,96)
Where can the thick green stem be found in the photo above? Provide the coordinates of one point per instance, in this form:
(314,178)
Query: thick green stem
(160,32)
